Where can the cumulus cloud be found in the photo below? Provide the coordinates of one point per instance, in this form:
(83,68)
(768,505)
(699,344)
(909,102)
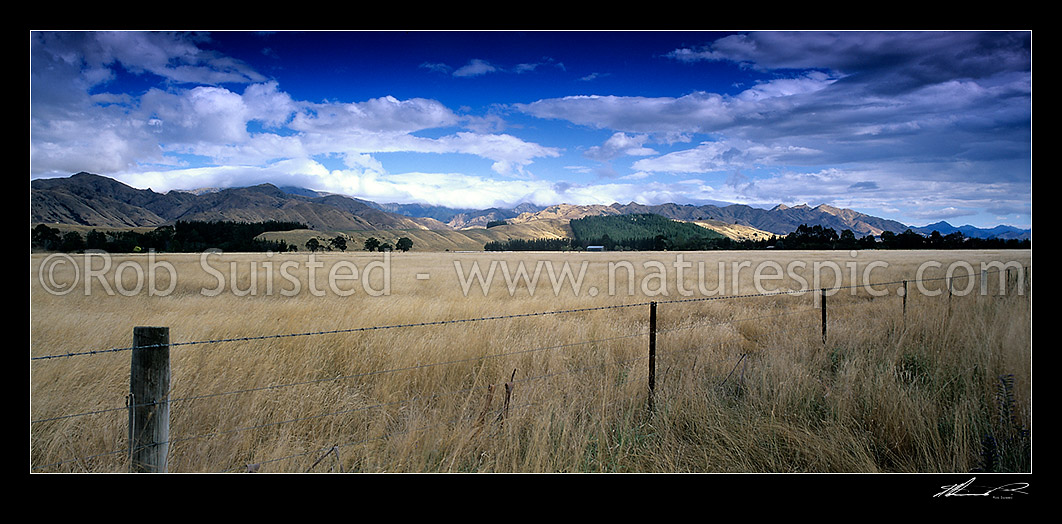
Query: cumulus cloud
(384,114)
(267,104)
(620,144)
(77,125)
(365,178)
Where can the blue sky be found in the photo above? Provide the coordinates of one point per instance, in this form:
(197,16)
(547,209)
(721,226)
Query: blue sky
(914,126)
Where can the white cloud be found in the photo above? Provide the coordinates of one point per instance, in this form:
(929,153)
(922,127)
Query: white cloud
(113,134)
(363,177)
(267,104)
(176,57)
(199,115)
(698,112)
(620,144)
(693,113)
(710,157)
(385,114)
(705,158)
(475,67)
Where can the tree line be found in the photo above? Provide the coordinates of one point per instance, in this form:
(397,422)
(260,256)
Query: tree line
(194,237)
(375,244)
(182,237)
(818,237)
(532,244)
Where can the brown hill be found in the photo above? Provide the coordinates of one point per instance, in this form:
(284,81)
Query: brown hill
(93,200)
(435,239)
(565,212)
(734,231)
(780,220)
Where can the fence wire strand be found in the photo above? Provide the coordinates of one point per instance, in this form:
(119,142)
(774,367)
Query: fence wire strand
(493,317)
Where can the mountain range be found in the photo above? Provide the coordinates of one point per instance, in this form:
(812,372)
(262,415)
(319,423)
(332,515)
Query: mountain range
(86,199)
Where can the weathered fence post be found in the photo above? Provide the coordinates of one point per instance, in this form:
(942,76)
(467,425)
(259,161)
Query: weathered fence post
(652,354)
(949,280)
(149,390)
(823,315)
(904,291)
(509,386)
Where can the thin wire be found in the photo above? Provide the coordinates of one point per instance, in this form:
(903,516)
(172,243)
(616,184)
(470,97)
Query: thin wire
(486,318)
(357,375)
(659,331)
(348,330)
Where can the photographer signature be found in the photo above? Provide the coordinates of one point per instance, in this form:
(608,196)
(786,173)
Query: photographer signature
(959,490)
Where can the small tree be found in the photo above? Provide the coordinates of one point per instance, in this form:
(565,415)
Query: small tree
(404,244)
(45,237)
(847,240)
(313,245)
(72,242)
(96,240)
(386,247)
(339,243)
(372,244)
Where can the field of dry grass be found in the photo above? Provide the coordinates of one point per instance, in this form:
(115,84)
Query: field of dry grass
(743,379)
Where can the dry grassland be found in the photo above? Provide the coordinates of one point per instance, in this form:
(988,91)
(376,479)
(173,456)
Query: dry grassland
(741,384)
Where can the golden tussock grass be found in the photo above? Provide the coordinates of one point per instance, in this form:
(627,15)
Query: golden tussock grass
(743,384)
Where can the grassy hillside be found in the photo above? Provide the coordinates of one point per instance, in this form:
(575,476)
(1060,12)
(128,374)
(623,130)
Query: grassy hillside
(432,240)
(734,231)
(618,227)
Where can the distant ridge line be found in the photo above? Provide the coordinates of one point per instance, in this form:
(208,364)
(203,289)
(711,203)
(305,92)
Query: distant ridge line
(94,200)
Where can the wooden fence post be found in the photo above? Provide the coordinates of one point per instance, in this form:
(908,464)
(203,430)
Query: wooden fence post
(823,315)
(652,354)
(950,295)
(904,304)
(149,390)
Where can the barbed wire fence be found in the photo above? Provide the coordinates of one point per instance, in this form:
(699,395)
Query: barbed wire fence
(154,412)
